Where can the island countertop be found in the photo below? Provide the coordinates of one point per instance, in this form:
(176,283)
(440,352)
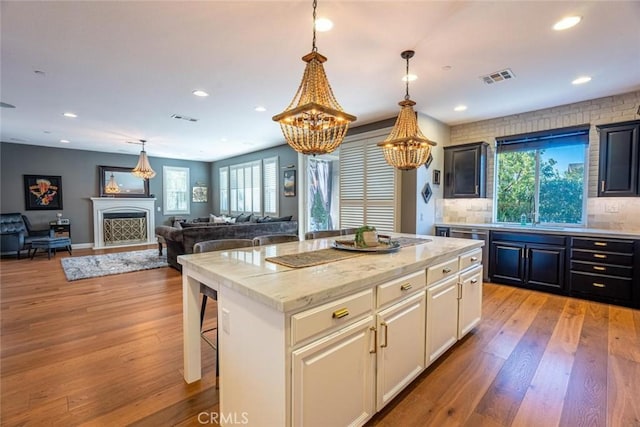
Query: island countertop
(287,289)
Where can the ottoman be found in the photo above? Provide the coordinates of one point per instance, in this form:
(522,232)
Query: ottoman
(50,243)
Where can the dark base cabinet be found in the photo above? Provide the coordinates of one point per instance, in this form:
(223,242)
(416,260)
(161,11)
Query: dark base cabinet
(603,269)
(535,261)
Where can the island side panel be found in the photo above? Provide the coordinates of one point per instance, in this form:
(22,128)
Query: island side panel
(253,377)
(191,327)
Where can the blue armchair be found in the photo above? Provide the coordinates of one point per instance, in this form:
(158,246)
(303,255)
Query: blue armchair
(15,233)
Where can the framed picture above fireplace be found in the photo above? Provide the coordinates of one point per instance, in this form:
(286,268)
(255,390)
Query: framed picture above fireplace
(116,181)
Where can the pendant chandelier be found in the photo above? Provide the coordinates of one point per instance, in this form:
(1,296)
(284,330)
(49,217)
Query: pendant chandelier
(112,186)
(143,168)
(406,147)
(314,122)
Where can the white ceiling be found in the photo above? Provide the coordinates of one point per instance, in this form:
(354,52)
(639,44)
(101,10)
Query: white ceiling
(126,66)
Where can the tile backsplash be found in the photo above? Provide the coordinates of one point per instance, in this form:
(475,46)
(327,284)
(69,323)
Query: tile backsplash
(614,213)
(607,213)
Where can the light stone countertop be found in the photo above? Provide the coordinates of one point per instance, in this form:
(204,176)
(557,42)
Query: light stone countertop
(572,231)
(292,289)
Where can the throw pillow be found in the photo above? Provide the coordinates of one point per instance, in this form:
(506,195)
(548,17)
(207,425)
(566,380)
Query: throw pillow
(217,219)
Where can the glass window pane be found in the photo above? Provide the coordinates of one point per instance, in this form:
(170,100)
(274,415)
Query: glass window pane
(561,184)
(516,186)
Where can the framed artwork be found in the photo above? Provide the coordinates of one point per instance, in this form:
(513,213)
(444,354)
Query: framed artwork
(42,192)
(426,193)
(199,194)
(116,181)
(289,183)
(436,177)
(429,160)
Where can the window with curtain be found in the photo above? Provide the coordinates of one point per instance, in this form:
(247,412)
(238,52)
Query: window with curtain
(223,175)
(250,187)
(542,177)
(175,189)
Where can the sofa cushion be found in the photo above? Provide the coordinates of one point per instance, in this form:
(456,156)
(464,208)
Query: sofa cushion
(275,219)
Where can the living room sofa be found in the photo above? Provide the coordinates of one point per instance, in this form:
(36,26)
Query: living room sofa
(180,241)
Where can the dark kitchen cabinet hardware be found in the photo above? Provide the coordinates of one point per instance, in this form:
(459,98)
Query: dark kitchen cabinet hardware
(465,170)
(619,172)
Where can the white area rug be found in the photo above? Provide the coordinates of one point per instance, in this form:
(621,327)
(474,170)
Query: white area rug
(84,267)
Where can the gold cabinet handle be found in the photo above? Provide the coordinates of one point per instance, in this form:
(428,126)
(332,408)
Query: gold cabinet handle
(339,314)
(406,287)
(601,256)
(595,267)
(600,243)
(474,258)
(372,330)
(446,270)
(386,337)
(599,285)
(474,281)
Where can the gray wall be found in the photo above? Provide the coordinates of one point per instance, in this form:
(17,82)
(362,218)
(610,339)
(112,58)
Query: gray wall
(286,156)
(79,172)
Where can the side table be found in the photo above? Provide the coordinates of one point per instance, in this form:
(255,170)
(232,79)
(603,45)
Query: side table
(60,230)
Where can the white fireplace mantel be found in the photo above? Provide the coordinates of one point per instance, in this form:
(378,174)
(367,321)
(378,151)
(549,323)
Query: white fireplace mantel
(102,205)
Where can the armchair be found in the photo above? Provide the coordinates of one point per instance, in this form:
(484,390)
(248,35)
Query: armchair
(15,235)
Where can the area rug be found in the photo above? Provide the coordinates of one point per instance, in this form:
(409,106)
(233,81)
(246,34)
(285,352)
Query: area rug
(83,267)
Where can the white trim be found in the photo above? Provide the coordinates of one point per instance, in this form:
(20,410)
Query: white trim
(187,192)
(102,205)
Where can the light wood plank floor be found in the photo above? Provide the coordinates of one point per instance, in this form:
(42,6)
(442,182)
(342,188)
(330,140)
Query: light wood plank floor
(108,352)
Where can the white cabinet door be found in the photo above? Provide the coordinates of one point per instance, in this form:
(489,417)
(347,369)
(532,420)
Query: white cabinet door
(470,308)
(442,318)
(401,339)
(333,378)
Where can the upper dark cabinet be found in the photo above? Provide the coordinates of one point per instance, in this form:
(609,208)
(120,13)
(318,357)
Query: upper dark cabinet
(465,170)
(619,159)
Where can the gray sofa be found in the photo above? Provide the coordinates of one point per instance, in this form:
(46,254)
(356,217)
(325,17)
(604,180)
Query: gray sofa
(180,241)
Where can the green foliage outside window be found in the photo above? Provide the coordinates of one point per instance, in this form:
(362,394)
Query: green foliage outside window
(560,191)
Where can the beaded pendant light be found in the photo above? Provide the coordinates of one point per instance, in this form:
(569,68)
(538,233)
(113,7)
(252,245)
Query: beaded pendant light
(314,122)
(143,168)
(112,186)
(406,147)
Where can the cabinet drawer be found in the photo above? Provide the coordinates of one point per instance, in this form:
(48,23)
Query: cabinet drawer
(442,270)
(470,258)
(602,257)
(609,270)
(603,245)
(330,315)
(603,286)
(395,289)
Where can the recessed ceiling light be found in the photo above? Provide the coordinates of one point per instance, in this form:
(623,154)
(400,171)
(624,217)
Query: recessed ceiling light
(410,78)
(260,109)
(72,115)
(199,92)
(460,108)
(581,80)
(568,22)
(65,141)
(323,24)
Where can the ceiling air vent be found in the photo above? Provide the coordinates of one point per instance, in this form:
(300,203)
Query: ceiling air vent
(181,117)
(498,76)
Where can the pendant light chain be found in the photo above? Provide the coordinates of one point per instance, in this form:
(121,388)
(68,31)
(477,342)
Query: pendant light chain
(315,5)
(406,77)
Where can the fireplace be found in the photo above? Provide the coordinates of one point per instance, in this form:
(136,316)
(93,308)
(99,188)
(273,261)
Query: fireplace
(123,221)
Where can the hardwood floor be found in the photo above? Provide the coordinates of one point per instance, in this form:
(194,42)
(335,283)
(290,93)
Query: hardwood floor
(108,352)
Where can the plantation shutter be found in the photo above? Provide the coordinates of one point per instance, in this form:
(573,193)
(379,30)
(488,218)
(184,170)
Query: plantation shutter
(368,193)
(270,186)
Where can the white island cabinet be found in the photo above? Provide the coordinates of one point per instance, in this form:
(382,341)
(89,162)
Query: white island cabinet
(324,345)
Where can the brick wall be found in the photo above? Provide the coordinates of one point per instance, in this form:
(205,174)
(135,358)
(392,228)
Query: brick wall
(611,109)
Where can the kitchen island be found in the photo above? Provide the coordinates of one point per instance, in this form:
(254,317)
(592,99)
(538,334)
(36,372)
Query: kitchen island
(329,344)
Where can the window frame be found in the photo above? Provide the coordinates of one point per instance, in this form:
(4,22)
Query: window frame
(535,142)
(224,197)
(167,171)
(268,187)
